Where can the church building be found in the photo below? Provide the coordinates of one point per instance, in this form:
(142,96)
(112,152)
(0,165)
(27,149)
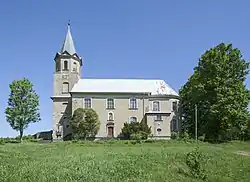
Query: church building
(116,101)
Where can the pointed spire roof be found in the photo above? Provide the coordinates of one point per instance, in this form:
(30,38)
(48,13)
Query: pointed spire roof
(68,44)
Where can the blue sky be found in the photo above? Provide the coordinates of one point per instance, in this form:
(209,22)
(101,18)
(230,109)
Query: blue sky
(118,39)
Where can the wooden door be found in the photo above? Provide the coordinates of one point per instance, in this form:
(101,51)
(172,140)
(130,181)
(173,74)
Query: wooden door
(110,131)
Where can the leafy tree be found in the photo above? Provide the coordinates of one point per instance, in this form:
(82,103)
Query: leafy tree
(85,123)
(136,128)
(217,87)
(23,105)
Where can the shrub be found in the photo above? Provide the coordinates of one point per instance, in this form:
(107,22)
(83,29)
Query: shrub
(12,141)
(174,135)
(136,136)
(130,130)
(1,141)
(34,140)
(185,136)
(196,161)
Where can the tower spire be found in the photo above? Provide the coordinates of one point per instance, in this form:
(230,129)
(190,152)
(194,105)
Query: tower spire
(68,44)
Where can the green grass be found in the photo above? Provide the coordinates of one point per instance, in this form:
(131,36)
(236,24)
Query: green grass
(116,161)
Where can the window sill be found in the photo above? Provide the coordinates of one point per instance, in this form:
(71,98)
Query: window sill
(133,108)
(110,108)
(110,120)
(158,120)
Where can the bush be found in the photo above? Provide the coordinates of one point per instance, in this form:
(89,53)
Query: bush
(185,136)
(12,141)
(34,140)
(135,129)
(136,136)
(196,161)
(174,135)
(29,137)
(1,141)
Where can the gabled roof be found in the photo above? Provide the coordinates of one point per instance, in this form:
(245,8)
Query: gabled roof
(68,44)
(153,87)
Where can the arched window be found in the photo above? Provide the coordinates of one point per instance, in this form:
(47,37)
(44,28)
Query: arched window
(65,88)
(132,103)
(156,106)
(133,119)
(111,116)
(74,69)
(65,65)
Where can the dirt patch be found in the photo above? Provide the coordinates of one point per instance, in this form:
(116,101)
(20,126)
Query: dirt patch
(243,153)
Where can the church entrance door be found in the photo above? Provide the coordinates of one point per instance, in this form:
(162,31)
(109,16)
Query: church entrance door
(110,131)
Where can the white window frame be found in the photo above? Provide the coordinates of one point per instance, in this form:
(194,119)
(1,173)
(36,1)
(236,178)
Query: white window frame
(107,103)
(136,103)
(153,105)
(84,103)
(131,118)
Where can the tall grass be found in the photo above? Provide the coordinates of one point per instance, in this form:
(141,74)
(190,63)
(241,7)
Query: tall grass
(118,161)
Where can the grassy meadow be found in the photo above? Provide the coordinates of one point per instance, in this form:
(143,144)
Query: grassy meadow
(119,161)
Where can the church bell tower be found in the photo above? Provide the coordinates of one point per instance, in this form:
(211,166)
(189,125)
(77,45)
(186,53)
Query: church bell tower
(67,73)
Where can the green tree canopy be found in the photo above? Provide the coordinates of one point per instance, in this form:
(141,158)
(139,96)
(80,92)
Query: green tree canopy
(85,123)
(23,105)
(217,87)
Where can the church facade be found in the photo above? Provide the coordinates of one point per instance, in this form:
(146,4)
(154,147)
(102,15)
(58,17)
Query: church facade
(116,101)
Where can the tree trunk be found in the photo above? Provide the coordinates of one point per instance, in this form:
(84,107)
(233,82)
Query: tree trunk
(21,134)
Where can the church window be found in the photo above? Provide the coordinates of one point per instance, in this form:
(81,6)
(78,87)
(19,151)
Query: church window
(65,87)
(132,103)
(65,65)
(74,67)
(133,119)
(156,106)
(174,125)
(158,117)
(87,102)
(111,116)
(174,106)
(110,103)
